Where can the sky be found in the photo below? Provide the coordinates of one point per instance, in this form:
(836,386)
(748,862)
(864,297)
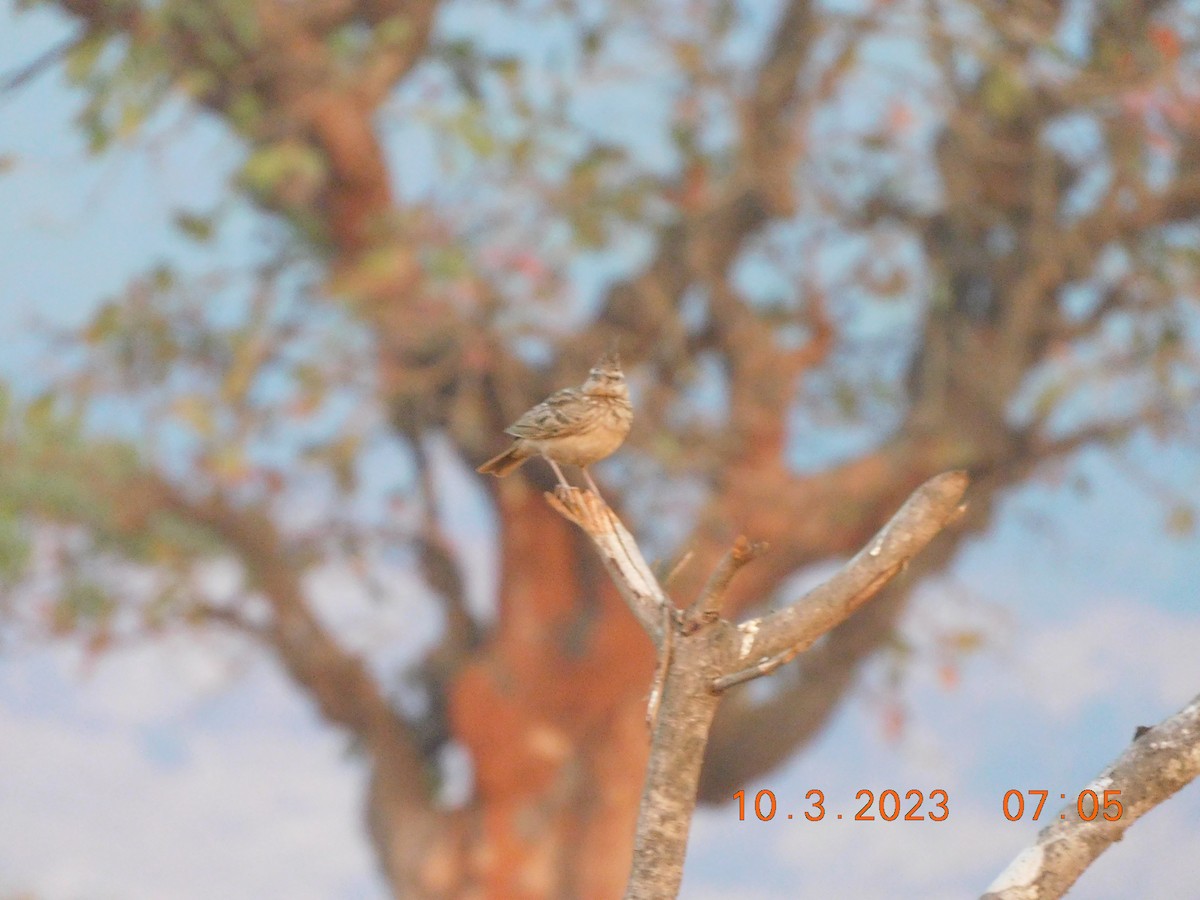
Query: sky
(189,768)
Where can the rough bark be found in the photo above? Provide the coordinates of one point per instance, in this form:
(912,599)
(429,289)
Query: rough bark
(1155,766)
(701,654)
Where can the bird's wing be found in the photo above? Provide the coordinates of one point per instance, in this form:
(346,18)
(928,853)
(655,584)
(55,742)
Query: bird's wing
(562,414)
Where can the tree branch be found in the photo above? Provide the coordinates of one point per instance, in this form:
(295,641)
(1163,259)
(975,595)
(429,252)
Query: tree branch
(752,735)
(621,557)
(339,683)
(708,603)
(1156,765)
(10,81)
(793,629)
(231,618)
(693,649)
(765,120)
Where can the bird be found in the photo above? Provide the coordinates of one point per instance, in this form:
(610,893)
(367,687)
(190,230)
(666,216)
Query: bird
(573,426)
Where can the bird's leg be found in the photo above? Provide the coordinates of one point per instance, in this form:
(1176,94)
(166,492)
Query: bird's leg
(557,471)
(591,484)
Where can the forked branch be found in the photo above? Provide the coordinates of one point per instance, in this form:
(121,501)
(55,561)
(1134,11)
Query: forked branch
(786,632)
(701,653)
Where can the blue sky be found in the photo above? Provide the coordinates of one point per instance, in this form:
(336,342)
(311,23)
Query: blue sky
(190,769)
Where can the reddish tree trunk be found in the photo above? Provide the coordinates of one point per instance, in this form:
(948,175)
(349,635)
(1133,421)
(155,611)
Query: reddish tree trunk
(553,715)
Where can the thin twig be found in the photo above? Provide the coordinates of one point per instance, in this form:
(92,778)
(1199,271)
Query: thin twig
(766,667)
(707,605)
(40,63)
(677,568)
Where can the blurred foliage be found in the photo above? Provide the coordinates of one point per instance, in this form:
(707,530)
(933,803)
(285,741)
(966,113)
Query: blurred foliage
(959,233)
(184,387)
(251,384)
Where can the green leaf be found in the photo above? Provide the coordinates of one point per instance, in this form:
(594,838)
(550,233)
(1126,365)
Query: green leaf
(588,224)
(198,227)
(197,411)
(81,59)
(84,600)
(1003,93)
(39,415)
(1181,521)
(395,31)
(14,549)
(1049,398)
(243,18)
(200,83)
(288,164)
(162,277)
(447,263)
(133,115)
(846,397)
(105,324)
(97,132)
(245,111)
(472,127)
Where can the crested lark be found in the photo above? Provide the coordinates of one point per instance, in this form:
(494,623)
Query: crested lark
(576,426)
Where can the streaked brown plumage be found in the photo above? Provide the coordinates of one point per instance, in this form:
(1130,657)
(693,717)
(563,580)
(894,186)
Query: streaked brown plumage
(575,426)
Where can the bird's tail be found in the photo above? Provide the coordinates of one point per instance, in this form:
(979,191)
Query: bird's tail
(506,462)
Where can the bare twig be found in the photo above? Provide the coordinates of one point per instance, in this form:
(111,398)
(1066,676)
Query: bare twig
(231,618)
(1157,764)
(765,667)
(677,568)
(42,62)
(708,604)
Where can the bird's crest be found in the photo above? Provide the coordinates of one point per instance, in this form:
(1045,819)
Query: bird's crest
(609,362)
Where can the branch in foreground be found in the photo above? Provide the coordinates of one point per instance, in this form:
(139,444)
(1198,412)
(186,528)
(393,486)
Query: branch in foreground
(1155,766)
(697,646)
